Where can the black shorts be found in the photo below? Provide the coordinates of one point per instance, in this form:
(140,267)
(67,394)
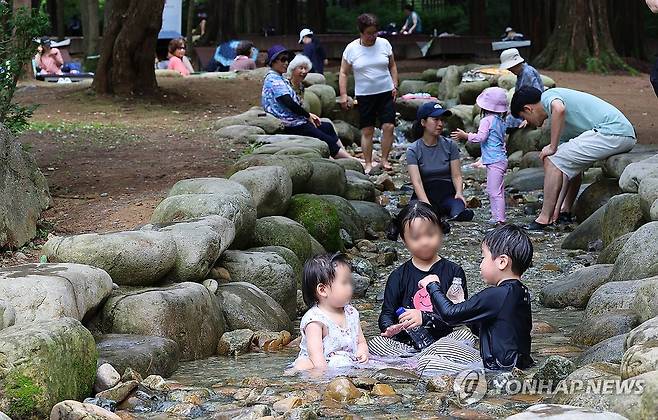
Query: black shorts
(376,107)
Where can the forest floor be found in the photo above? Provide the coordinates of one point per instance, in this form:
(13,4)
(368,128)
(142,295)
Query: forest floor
(110,161)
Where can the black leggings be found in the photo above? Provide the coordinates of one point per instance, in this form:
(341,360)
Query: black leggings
(325,132)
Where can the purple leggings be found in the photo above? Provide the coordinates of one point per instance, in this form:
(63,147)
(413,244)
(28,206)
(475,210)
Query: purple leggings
(496,189)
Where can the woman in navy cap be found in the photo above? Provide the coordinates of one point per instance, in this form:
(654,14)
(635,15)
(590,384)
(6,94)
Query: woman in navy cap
(280,99)
(434,165)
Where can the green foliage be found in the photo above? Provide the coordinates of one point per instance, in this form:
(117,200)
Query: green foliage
(17,31)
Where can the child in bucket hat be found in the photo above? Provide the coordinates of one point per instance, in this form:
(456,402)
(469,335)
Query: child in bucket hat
(491,136)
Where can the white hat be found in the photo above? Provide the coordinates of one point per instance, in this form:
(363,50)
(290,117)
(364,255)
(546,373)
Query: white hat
(304,32)
(510,58)
(508,29)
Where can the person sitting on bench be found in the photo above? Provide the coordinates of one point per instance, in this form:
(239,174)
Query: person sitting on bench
(49,60)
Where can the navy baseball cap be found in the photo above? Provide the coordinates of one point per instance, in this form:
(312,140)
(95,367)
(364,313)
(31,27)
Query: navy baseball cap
(431,109)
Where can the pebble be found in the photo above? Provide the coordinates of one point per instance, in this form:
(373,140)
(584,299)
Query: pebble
(383,390)
(106,377)
(104,194)
(130,375)
(342,389)
(155,382)
(119,392)
(540,327)
(551,267)
(287,404)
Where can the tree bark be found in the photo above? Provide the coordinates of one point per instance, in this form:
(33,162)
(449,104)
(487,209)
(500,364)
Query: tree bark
(221,23)
(534,19)
(627,27)
(477,14)
(107,10)
(581,39)
(191,12)
(90,26)
(126,65)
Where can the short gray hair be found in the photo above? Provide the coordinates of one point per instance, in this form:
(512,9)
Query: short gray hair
(299,60)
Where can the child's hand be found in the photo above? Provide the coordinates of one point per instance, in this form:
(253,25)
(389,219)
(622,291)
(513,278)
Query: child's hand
(427,280)
(456,295)
(411,318)
(392,330)
(362,356)
(459,134)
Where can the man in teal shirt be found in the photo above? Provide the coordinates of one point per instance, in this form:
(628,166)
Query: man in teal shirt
(585,127)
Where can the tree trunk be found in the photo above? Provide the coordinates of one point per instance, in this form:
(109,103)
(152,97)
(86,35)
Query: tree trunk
(627,27)
(221,24)
(126,65)
(477,14)
(535,20)
(581,39)
(90,28)
(191,12)
(107,10)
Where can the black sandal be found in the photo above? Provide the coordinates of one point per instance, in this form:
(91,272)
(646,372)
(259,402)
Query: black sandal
(535,226)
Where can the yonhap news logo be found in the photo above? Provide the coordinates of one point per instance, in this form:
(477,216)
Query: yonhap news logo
(470,386)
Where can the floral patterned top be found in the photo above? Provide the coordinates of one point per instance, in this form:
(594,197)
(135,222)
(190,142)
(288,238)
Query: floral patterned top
(340,344)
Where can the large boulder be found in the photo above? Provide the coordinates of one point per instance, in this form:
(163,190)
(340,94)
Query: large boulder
(327,96)
(199,243)
(24,193)
(281,231)
(462,117)
(266,270)
(312,103)
(319,217)
(644,333)
(638,258)
(246,306)
(408,108)
(375,216)
(7,314)
(191,199)
(639,359)
(328,178)
(43,363)
(289,256)
(586,233)
(594,330)
(623,214)
(507,81)
(257,118)
(239,132)
(611,252)
(529,179)
(270,188)
(280,142)
(55,290)
(581,396)
(528,140)
(359,187)
(299,169)
(576,288)
(349,218)
(130,258)
(147,355)
(645,304)
(347,133)
(614,166)
(609,350)
(641,404)
(469,91)
(633,174)
(430,75)
(648,191)
(185,312)
(449,83)
(594,196)
(75,410)
(564,412)
(315,79)
(412,86)
(350,164)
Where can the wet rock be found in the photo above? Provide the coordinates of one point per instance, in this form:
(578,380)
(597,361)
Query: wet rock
(185,312)
(319,217)
(118,392)
(257,118)
(24,193)
(266,270)
(74,410)
(147,355)
(554,369)
(575,289)
(375,216)
(299,169)
(383,390)
(341,390)
(564,412)
(587,232)
(246,306)
(328,178)
(395,375)
(270,187)
(594,196)
(385,183)
(580,396)
(610,350)
(239,132)
(130,375)
(363,267)
(611,252)
(45,362)
(285,253)
(199,244)
(287,404)
(358,188)
(530,179)
(350,220)
(469,91)
(623,214)
(361,285)
(638,258)
(55,291)
(155,382)
(633,174)
(281,231)
(235,343)
(540,327)
(106,377)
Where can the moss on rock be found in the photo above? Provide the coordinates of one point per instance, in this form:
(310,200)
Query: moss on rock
(319,217)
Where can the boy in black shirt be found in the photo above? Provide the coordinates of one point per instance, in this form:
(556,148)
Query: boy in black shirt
(502,313)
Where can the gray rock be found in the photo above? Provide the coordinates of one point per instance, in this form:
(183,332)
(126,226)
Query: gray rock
(106,377)
(591,373)
(575,288)
(644,333)
(564,412)
(279,142)
(609,324)
(119,392)
(24,193)
(449,83)
(528,140)
(347,133)
(375,216)
(638,258)
(75,410)
(314,79)
(327,96)
(316,247)
(594,197)
(643,406)
(147,355)
(45,362)
(531,160)
(7,314)
(611,252)
(281,231)
(474,149)
(291,259)
(130,258)
(199,243)
(462,117)
(507,81)
(408,108)
(633,174)
(411,86)
(266,270)
(350,164)
(358,188)
(623,215)
(514,159)
(349,218)
(361,285)
(185,312)
(648,191)
(246,306)
(614,166)
(299,151)
(639,359)
(529,179)
(257,118)
(235,343)
(299,169)
(312,103)
(55,291)
(328,178)
(587,232)
(430,75)
(363,267)
(469,91)
(610,350)
(645,304)
(239,132)
(554,369)
(270,188)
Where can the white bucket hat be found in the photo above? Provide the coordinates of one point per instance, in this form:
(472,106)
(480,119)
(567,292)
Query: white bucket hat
(304,32)
(510,58)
